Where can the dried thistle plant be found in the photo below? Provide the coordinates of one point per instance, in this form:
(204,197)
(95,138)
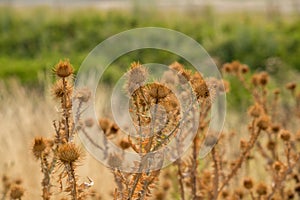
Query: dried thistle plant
(269,141)
(61,153)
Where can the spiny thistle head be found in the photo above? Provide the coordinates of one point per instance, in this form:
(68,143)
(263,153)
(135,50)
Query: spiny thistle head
(69,153)
(248,183)
(285,135)
(137,75)
(239,193)
(227,67)
(39,147)
(158,91)
(244,69)
(16,192)
(201,89)
(255,110)
(263,122)
(236,66)
(124,144)
(275,128)
(63,69)
(108,126)
(277,166)
(271,145)
(291,86)
(59,89)
(261,78)
(261,189)
(18,181)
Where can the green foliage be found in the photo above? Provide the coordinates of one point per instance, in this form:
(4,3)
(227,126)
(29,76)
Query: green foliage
(33,40)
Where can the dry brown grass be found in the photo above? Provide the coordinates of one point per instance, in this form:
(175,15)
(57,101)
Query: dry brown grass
(257,158)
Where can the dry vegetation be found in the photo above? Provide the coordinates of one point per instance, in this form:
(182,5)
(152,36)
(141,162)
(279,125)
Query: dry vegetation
(257,158)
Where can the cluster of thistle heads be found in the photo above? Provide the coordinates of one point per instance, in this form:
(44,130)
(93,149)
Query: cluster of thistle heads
(163,116)
(60,155)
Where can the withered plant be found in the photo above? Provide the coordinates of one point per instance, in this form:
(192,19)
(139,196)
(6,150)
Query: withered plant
(272,139)
(60,156)
(263,164)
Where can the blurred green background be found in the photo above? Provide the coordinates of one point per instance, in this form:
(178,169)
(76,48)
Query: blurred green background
(35,36)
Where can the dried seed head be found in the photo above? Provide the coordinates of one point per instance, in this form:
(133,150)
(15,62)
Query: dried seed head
(59,90)
(297,188)
(255,110)
(248,183)
(236,66)
(63,69)
(18,181)
(225,193)
(291,86)
(160,195)
(271,145)
(166,185)
(244,69)
(108,127)
(68,153)
(201,90)
(227,67)
(158,91)
(277,166)
(114,128)
(239,193)
(124,144)
(255,79)
(261,189)
(5,178)
(83,95)
(16,192)
(39,147)
(263,122)
(263,78)
(105,124)
(276,91)
(290,194)
(285,135)
(297,136)
(275,128)
(137,74)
